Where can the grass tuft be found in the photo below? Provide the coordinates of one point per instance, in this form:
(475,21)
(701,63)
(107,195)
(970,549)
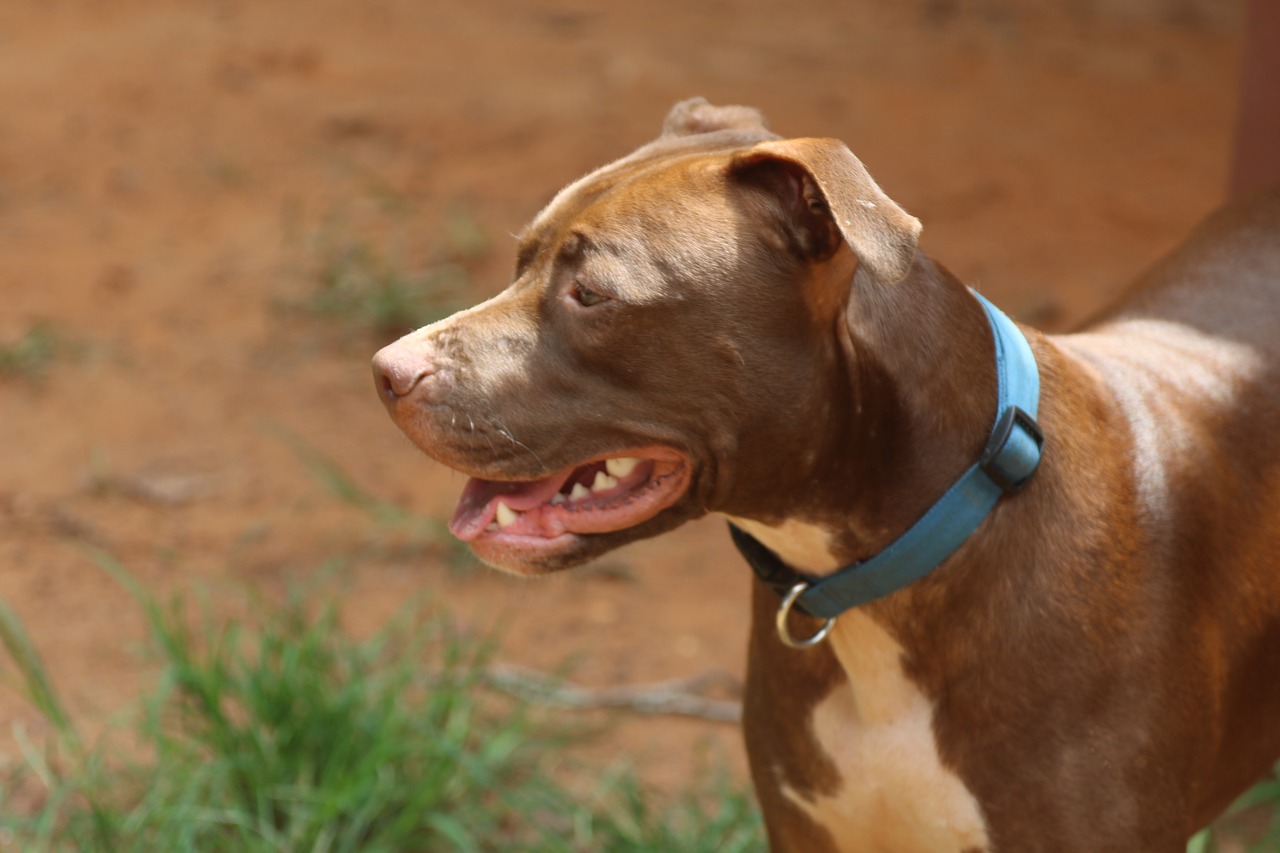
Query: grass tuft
(280,733)
(33,680)
(29,356)
(371,286)
(629,821)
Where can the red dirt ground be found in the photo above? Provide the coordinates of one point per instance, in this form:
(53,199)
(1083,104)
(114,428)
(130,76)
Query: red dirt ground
(166,170)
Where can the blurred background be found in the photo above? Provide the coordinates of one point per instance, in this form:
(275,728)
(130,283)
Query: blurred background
(213,213)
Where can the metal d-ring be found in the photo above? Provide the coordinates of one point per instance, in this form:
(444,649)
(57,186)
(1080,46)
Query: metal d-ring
(784,610)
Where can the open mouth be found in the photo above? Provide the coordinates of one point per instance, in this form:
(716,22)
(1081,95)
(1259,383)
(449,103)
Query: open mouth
(601,496)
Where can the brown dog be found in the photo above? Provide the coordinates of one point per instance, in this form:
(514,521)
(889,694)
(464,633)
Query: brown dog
(728,322)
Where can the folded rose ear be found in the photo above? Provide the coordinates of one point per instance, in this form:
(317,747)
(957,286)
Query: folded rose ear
(695,116)
(831,191)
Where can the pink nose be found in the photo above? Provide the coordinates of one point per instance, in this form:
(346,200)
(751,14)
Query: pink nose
(397,371)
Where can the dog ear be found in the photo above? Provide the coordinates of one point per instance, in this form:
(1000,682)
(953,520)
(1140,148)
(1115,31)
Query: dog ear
(833,197)
(696,116)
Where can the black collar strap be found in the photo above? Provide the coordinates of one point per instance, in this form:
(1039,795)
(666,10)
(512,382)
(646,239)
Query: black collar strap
(1007,462)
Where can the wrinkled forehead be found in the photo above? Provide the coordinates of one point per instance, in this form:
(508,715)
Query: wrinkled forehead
(667,180)
(642,231)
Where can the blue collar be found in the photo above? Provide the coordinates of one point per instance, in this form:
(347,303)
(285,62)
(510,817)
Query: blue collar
(1006,464)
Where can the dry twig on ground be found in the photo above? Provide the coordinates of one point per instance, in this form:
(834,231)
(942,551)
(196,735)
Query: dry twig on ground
(680,696)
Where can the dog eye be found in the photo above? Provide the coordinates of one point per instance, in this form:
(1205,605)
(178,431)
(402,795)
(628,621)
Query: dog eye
(587,297)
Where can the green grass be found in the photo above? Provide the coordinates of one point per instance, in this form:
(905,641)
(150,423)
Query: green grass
(1253,821)
(369,284)
(417,533)
(367,289)
(280,733)
(30,355)
(384,513)
(627,821)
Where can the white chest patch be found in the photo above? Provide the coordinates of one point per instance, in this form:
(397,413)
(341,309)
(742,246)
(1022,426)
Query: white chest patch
(803,546)
(895,795)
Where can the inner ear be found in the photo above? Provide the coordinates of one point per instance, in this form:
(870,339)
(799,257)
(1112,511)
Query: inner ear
(805,216)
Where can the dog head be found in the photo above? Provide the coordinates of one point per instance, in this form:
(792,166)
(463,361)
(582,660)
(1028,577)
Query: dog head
(675,321)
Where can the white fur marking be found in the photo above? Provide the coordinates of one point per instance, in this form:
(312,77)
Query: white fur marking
(895,794)
(803,546)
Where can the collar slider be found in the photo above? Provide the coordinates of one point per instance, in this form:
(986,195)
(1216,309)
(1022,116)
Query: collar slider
(1012,453)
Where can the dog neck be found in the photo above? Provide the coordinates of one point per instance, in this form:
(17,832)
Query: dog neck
(917,391)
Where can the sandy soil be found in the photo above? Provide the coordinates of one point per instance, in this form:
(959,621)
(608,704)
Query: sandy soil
(171,174)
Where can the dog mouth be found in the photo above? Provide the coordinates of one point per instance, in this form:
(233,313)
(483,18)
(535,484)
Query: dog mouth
(605,495)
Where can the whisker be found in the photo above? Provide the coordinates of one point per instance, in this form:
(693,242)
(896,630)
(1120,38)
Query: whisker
(506,433)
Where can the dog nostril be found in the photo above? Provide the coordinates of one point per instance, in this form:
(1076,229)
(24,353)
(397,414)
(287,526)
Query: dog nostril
(387,388)
(395,378)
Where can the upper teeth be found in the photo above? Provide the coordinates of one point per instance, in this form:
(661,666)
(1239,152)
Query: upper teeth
(506,515)
(616,469)
(621,466)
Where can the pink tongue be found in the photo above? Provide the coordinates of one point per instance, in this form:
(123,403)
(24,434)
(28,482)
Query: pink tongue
(476,506)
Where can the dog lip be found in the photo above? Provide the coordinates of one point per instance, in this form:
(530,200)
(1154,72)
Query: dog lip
(477,506)
(535,515)
(525,556)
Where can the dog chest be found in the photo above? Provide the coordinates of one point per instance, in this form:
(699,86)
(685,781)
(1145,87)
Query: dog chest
(894,794)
